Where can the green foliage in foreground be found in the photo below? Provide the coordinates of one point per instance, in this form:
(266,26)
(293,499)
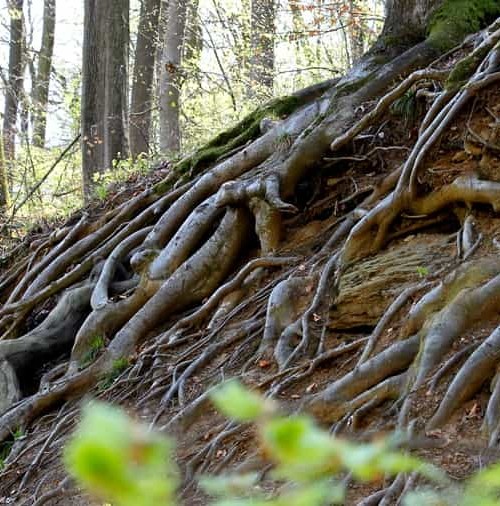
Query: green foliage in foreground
(124,462)
(120,460)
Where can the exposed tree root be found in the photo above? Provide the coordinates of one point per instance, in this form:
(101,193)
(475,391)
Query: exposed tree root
(176,281)
(476,370)
(330,402)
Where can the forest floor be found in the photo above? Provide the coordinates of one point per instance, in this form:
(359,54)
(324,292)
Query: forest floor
(420,250)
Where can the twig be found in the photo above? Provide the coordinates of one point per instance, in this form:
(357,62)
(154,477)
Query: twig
(45,176)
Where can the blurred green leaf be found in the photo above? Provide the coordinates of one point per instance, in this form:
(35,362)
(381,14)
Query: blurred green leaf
(234,484)
(239,403)
(120,460)
(427,497)
(320,493)
(302,450)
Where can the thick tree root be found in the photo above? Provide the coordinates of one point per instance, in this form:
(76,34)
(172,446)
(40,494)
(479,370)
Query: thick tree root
(478,368)
(328,404)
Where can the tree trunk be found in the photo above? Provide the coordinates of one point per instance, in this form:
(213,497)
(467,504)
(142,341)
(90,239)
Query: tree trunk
(171,76)
(116,95)
(142,86)
(92,103)
(104,87)
(193,41)
(41,85)
(262,31)
(356,30)
(408,19)
(4,180)
(14,86)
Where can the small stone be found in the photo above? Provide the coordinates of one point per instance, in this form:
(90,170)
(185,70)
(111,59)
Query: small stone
(473,149)
(461,156)
(311,387)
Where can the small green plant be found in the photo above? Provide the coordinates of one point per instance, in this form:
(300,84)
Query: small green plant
(119,365)
(101,191)
(407,107)
(18,433)
(422,271)
(121,170)
(95,346)
(283,142)
(4,452)
(6,446)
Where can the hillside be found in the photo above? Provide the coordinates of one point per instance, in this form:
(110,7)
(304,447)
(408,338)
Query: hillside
(366,294)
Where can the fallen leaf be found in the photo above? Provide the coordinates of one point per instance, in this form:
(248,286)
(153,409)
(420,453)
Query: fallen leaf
(311,387)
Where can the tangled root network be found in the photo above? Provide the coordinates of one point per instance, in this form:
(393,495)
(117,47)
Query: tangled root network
(344,259)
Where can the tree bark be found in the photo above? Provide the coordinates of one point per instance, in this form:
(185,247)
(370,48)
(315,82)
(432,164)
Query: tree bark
(116,94)
(4,180)
(262,31)
(15,85)
(170,76)
(92,103)
(41,86)
(356,30)
(193,42)
(104,109)
(142,87)
(408,19)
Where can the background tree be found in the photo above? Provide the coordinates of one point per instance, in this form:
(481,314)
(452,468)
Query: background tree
(117,39)
(169,95)
(357,30)
(104,103)
(14,87)
(42,81)
(143,79)
(262,32)
(92,101)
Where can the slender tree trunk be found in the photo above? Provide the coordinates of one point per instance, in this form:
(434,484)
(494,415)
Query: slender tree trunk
(117,34)
(142,87)
(14,88)
(4,180)
(170,76)
(92,103)
(356,30)
(193,41)
(262,31)
(41,85)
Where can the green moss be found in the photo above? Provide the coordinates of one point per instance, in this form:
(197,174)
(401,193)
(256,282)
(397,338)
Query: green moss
(119,365)
(96,345)
(455,19)
(247,129)
(238,135)
(464,69)
(352,86)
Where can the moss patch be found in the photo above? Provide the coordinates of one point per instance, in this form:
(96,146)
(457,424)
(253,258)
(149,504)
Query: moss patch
(464,69)
(247,129)
(455,19)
